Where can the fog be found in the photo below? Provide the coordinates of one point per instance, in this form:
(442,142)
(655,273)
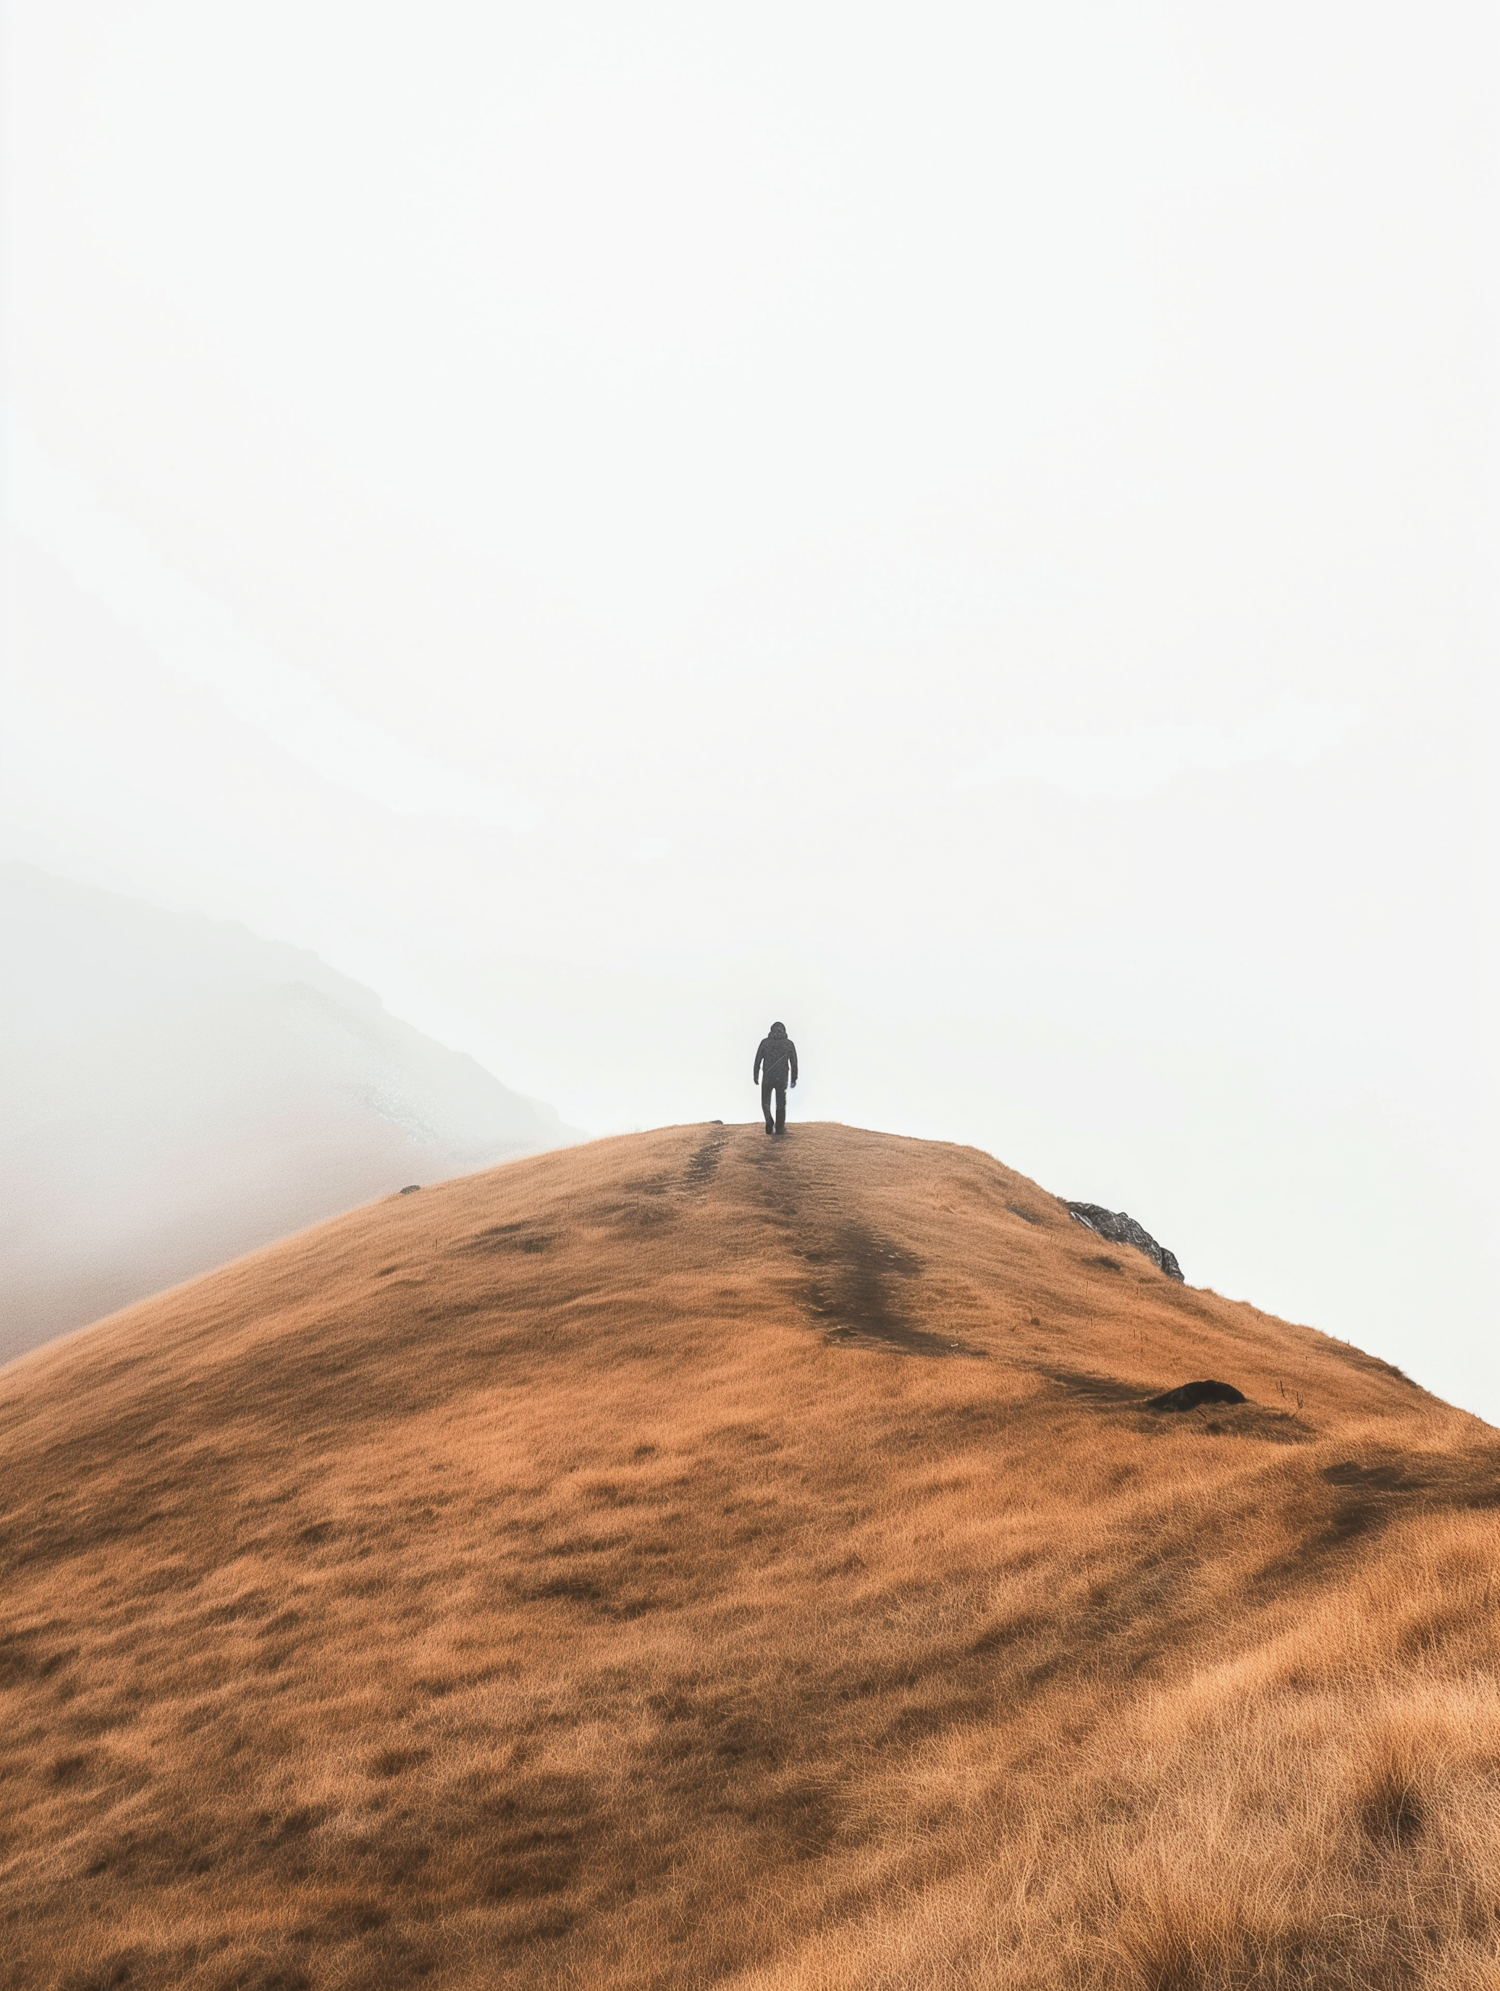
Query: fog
(969,530)
(175,1091)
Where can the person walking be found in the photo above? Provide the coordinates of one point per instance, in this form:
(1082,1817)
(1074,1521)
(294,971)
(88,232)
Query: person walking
(775,1066)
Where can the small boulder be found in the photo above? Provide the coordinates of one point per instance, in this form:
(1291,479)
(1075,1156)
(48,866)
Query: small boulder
(1188,1396)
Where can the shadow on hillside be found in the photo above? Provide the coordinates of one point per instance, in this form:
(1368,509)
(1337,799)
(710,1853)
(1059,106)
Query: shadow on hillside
(864,1289)
(853,1294)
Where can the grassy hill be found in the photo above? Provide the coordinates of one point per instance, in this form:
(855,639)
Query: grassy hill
(694,1560)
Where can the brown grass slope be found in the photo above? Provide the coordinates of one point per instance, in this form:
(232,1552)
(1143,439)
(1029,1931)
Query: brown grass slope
(693,1560)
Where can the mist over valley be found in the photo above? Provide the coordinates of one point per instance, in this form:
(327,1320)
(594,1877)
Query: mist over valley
(175,1091)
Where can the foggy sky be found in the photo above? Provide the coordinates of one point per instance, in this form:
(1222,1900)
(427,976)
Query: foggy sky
(968,529)
(175,1092)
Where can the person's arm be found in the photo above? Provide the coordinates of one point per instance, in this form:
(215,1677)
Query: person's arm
(792,1054)
(759,1054)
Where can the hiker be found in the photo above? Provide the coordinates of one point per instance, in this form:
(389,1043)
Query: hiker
(776,1057)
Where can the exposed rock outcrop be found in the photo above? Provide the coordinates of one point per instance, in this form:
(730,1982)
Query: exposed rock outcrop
(1120,1229)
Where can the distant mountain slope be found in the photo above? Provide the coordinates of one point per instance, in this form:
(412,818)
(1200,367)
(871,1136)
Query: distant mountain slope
(175,1091)
(696,1561)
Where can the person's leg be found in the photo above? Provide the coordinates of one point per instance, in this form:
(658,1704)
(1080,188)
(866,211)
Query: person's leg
(765,1102)
(781,1109)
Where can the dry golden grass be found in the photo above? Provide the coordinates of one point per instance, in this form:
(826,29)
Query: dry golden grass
(696,1560)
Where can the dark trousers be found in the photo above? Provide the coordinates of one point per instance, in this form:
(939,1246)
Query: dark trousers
(767,1087)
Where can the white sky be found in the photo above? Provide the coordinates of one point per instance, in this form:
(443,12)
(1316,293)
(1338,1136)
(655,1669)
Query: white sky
(970,529)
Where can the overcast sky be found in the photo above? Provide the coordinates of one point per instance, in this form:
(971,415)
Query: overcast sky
(969,529)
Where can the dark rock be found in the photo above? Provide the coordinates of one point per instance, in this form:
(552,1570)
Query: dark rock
(1188,1396)
(1120,1229)
(410,1189)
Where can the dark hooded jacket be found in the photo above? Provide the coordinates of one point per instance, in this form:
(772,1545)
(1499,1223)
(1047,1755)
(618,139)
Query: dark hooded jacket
(778,1055)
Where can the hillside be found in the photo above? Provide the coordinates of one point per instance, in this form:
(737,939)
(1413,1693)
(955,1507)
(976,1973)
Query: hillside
(693,1560)
(175,1091)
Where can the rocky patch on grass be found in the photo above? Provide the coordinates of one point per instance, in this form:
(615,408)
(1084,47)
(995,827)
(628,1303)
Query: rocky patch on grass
(1118,1228)
(1188,1396)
